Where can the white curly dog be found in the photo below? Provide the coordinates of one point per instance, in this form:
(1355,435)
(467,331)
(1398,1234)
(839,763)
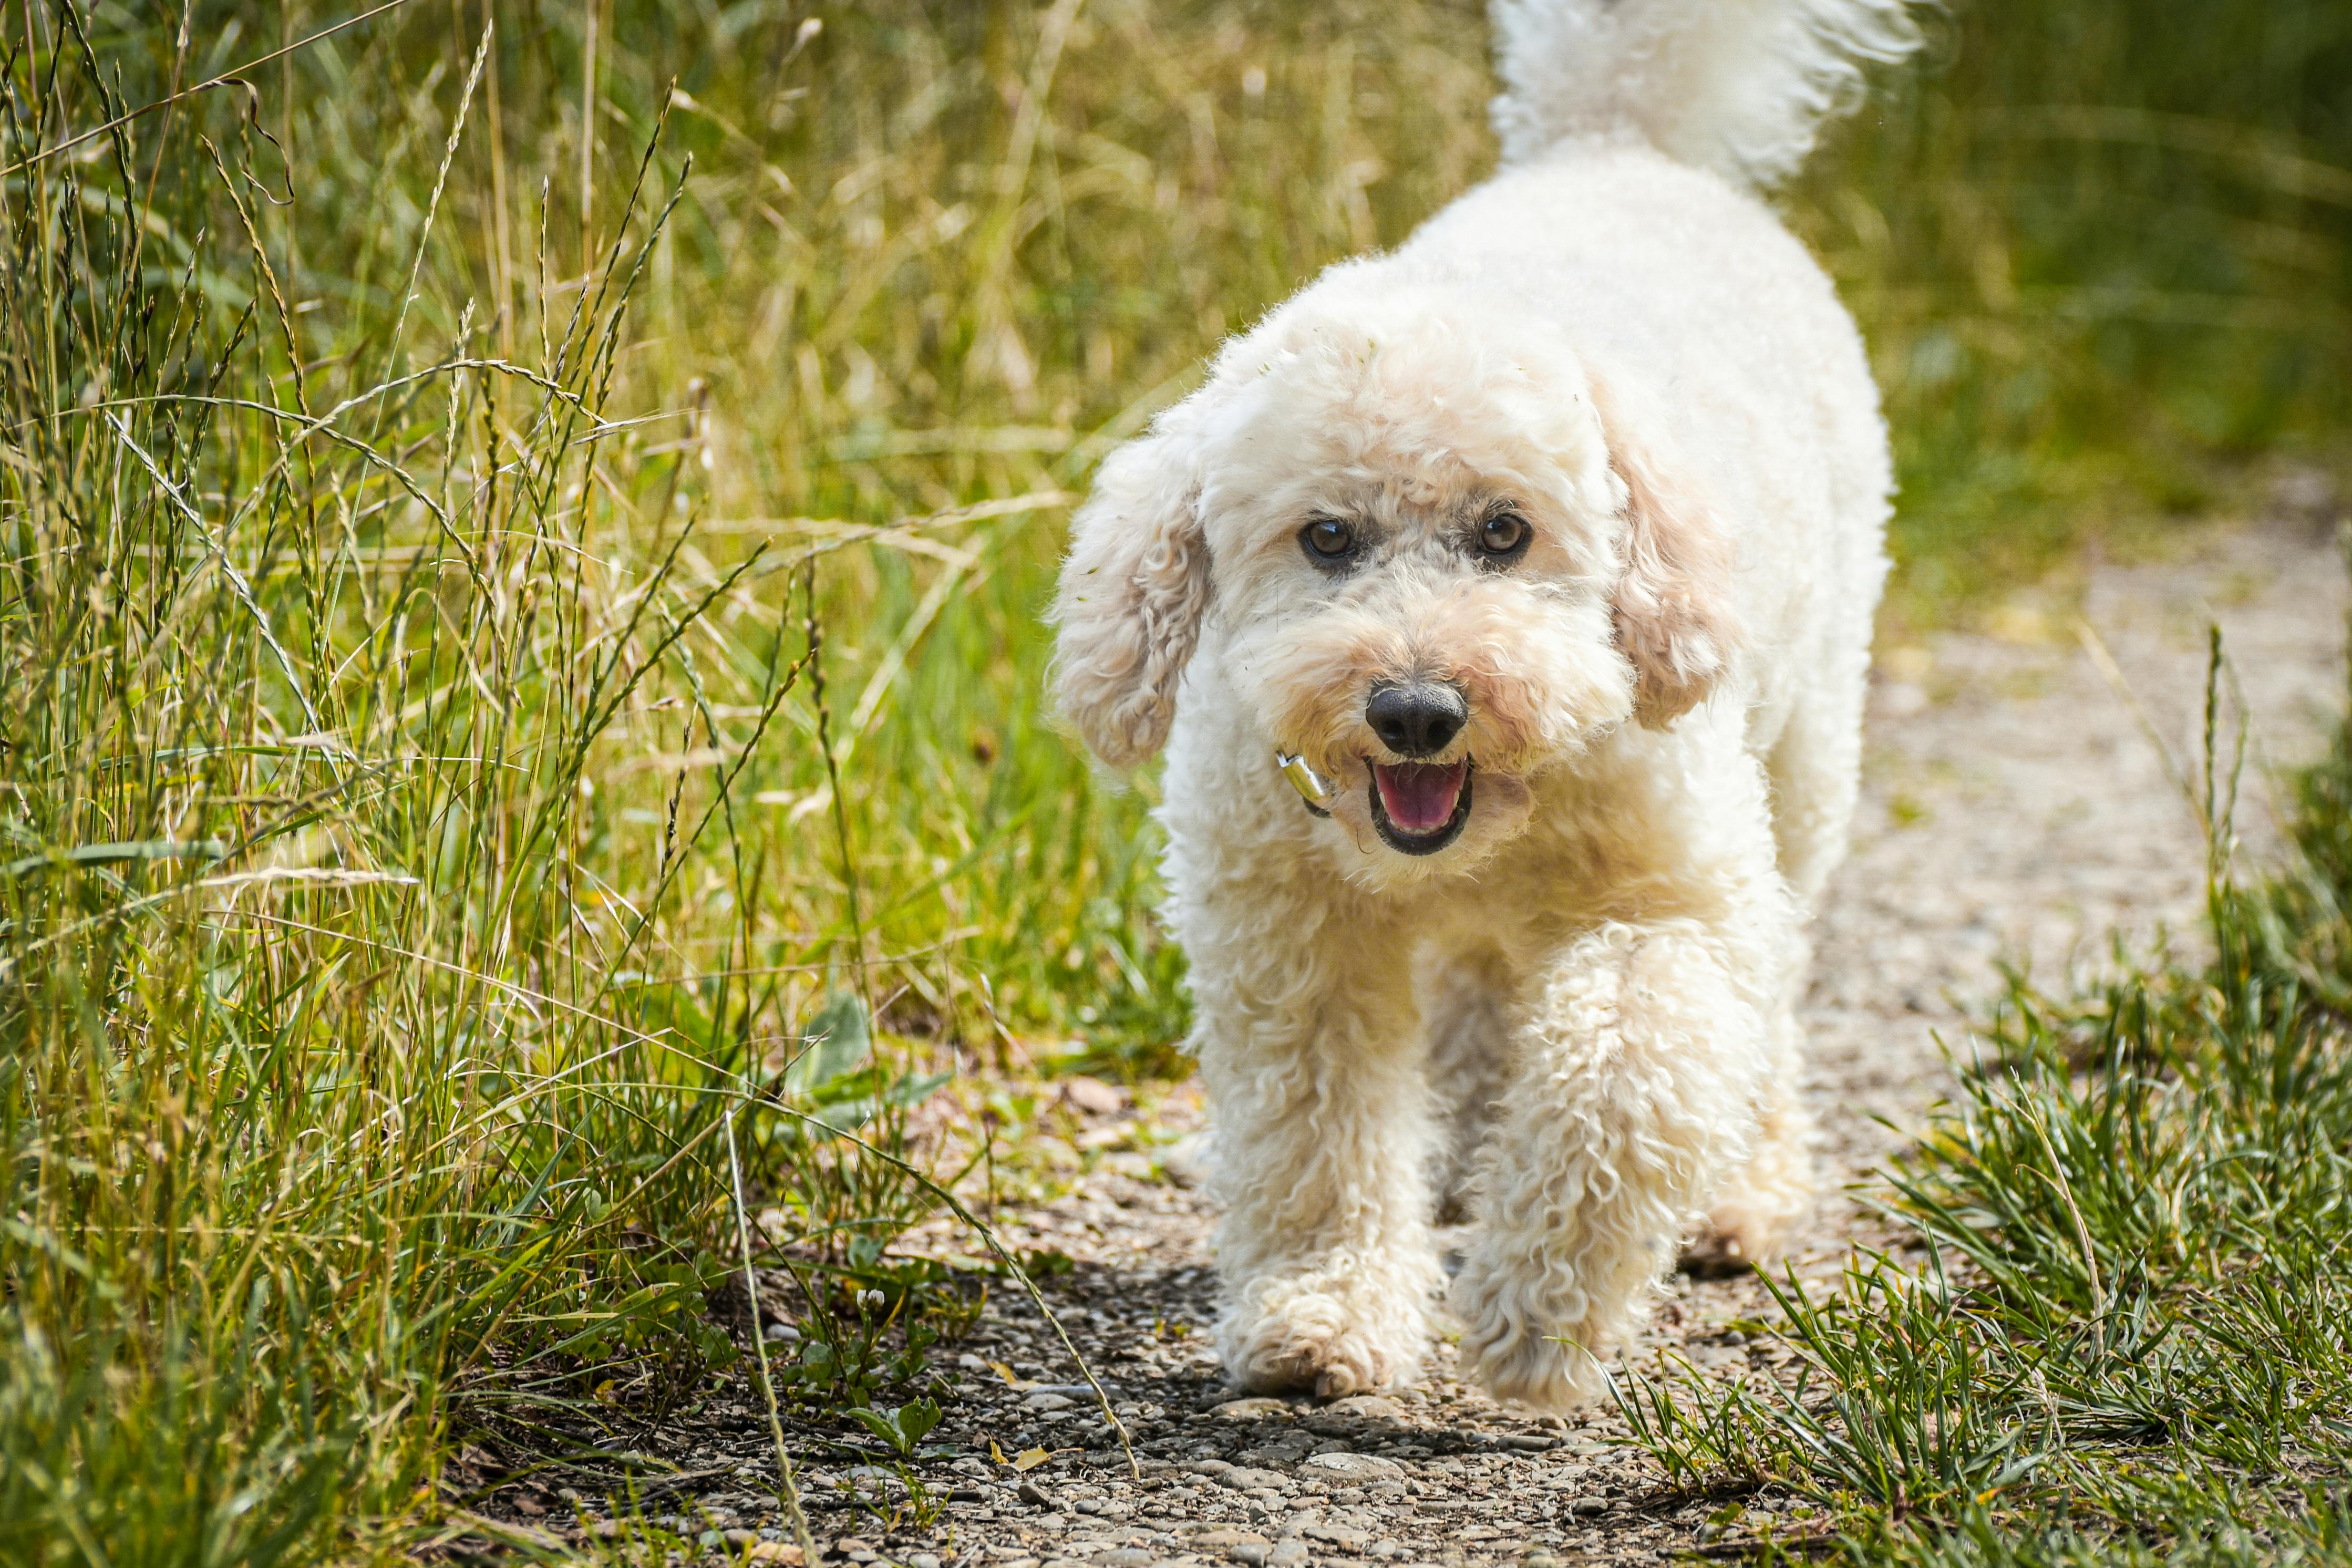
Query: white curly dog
(1545,550)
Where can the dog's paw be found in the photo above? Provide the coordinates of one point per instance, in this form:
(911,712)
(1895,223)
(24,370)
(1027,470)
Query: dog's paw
(1545,1373)
(1316,1340)
(1753,1218)
(1538,1336)
(1515,1362)
(1717,1254)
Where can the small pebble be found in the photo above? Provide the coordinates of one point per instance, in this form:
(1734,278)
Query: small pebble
(1252,1410)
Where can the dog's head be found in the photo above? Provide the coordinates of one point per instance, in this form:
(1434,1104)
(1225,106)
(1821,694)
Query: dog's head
(1433,552)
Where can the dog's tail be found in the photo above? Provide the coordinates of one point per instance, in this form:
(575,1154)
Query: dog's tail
(1740,87)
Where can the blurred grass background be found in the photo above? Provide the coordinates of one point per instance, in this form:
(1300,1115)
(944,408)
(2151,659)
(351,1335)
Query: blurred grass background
(931,256)
(419,789)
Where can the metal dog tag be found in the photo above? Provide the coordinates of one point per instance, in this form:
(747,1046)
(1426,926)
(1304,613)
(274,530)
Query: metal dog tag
(1313,788)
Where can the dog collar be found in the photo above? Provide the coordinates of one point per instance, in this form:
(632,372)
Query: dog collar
(1315,791)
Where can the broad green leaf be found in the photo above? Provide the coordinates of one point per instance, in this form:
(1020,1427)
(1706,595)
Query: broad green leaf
(916,1420)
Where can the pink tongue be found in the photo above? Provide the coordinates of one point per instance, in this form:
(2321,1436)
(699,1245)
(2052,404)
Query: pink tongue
(1420,797)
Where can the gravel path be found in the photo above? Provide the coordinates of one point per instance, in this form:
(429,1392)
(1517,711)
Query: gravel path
(2016,809)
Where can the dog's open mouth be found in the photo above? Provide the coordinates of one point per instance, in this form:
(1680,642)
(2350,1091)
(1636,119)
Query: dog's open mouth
(1419,808)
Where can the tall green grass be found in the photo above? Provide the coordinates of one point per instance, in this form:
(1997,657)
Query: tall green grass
(389,929)
(474,485)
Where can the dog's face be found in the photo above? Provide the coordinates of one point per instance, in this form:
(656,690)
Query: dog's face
(1423,559)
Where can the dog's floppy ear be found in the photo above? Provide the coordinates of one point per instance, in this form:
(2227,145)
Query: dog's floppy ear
(1673,600)
(1134,589)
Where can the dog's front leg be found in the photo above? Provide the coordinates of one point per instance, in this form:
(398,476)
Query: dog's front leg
(1641,1054)
(1307,1038)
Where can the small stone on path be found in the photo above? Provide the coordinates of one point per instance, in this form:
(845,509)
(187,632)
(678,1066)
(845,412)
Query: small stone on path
(1364,1466)
(1254,1409)
(1365,1408)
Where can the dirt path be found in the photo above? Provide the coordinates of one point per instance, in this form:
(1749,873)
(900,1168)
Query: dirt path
(2016,809)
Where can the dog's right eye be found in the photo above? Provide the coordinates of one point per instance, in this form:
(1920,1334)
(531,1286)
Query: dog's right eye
(1328,539)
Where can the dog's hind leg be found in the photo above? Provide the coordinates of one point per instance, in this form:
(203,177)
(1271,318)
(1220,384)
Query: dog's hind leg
(1469,1068)
(1815,769)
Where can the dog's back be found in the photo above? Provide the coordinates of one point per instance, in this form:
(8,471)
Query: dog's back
(1638,136)
(1593,224)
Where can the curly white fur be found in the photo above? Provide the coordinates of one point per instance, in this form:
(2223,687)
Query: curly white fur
(1577,1016)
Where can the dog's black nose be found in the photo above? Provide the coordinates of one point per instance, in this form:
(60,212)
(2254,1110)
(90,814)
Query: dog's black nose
(1417,719)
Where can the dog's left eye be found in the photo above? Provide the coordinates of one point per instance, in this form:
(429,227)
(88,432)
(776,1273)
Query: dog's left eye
(1504,536)
(1328,538)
